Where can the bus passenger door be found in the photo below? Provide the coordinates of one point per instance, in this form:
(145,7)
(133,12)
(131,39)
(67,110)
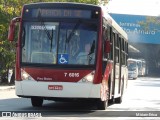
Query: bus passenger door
(117,65)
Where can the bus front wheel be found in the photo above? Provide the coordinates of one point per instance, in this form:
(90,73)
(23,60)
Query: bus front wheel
(102,105)
(37,101)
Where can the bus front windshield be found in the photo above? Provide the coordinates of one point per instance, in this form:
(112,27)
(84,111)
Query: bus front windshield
(132,66)
(59,43)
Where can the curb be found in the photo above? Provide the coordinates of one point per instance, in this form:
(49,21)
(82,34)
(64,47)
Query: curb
(6,88)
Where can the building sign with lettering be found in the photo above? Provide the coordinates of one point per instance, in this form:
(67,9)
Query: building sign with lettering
(136,32)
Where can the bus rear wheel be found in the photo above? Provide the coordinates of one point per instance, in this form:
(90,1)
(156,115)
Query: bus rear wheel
(119,99)
(37,101)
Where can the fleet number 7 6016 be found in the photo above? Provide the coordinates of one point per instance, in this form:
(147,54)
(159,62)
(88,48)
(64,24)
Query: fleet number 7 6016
(71,74)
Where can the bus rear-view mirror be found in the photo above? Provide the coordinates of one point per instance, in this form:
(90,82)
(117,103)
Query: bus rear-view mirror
(12,25)
(108,46)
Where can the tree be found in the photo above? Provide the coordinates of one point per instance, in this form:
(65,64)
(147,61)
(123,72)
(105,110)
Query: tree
(7,53)
(151,23)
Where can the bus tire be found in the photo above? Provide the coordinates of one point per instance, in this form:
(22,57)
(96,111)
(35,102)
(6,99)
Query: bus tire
(102,105)
(110,101)
(37,101)
(119,99)
(135,78)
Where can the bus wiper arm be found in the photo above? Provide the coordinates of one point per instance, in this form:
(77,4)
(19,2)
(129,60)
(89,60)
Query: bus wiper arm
(23,37)
(92,48)
(50,37)
(72,32)
(91,51)
(51,40)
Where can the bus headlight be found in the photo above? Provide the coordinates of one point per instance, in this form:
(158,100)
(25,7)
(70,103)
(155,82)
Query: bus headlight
(25,76)
(89,77)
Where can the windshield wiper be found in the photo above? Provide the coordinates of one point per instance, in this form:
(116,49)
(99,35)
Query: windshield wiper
(72,33)
(92,48)
(50,37)
(91,51)
(51,40)
(23,37)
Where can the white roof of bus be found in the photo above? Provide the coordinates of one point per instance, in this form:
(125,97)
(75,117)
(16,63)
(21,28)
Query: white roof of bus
(138,60)
(114,24)
(131,59)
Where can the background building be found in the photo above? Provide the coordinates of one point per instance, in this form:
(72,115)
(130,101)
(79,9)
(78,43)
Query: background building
(144,39)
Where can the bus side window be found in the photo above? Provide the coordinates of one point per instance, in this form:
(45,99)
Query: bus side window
(116,48)
(105,38)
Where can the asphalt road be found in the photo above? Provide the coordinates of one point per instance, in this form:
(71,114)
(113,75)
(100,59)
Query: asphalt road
(141,99)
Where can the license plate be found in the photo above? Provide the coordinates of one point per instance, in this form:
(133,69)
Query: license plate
(55,87)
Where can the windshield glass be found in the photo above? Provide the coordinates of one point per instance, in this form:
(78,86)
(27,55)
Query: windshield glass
(59,43)
(132,65)
(139,64)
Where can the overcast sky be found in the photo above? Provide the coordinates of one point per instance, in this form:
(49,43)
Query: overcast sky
(136,7)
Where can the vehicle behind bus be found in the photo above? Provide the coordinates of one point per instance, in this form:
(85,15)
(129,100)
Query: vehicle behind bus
(133,69)
(141,67)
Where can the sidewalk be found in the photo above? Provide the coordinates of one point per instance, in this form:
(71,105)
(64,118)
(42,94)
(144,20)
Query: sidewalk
(7,87)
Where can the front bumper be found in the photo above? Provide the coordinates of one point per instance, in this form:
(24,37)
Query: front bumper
(28,88)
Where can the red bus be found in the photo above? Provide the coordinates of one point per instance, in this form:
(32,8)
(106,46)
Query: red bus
(69,51)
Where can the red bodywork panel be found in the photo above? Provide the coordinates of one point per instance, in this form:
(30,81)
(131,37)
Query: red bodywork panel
(98,75)
(18,70)
(108,70)
(54,75)
(18,49)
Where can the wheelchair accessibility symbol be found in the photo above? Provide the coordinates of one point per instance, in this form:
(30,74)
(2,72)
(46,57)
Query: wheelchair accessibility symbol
(62,58)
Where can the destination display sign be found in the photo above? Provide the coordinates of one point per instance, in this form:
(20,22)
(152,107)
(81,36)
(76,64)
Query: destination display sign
(61,13)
